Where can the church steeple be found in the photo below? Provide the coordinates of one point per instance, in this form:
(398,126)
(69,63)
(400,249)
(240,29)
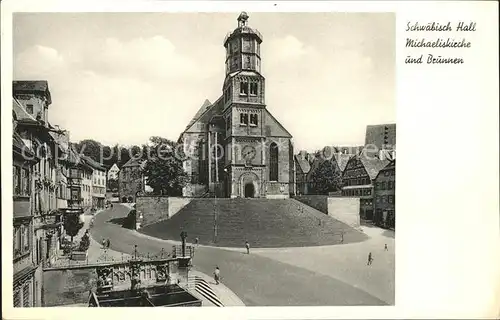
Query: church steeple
(243,47)
(244,83)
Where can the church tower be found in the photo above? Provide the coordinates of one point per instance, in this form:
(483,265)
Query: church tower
(250,153)
(244,113)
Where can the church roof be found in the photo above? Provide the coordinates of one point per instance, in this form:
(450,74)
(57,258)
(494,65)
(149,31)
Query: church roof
(204,107)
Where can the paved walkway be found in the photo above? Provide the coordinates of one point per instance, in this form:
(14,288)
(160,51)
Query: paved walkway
(273,278)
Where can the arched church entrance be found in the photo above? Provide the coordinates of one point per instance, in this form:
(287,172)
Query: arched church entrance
(249,185)
(249,190)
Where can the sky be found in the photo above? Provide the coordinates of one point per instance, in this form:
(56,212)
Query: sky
(123,77)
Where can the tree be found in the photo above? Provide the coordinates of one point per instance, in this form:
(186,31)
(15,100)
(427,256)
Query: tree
(90,148)
(163,168)
(72,225)
(85,242)
(326,179)
(112,185)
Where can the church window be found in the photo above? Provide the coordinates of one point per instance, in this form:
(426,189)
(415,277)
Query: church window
(253,88)
(244,119)
(254,119)
(273,157)
(243,87)
(228,123)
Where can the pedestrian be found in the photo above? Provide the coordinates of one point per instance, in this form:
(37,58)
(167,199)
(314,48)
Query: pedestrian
(217,275)
(108,243)
(196,240)
(247,245)
(104,243)
(385,247)
(370,259)
(342,237)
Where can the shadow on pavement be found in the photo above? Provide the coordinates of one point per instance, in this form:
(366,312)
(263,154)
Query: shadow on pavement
(117,221)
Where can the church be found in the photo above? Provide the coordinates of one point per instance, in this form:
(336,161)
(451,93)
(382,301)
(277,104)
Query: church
(234,147)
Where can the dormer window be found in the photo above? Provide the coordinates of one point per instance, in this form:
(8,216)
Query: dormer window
(29,108)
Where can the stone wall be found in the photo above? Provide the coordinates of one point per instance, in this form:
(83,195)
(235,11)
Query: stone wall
(155,208)
(152,209)
(175,204)
(318,202)
(345,210)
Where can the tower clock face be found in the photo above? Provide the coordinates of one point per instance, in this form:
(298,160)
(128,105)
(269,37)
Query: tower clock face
(248,153)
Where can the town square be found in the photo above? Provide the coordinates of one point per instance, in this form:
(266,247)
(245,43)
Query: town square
(265,192)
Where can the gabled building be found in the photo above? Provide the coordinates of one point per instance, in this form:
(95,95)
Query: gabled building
(43,160)
(358,179)
(113,172)
(98,183)
(31,101)
(235,147)
(338,156)
(385,196)
(27,282)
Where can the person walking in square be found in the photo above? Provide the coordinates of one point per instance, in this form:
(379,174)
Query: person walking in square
(342,237)
(196,241)
(247,246)
(385,247)
(370,259)
(217,275)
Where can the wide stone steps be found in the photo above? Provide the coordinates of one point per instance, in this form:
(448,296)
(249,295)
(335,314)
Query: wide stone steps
(261,222)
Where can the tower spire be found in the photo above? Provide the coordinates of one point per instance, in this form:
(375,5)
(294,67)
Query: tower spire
(242,19)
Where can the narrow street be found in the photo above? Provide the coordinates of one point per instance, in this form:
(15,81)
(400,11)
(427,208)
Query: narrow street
(255,279)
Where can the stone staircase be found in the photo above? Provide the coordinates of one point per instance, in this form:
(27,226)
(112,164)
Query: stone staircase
(261,222)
